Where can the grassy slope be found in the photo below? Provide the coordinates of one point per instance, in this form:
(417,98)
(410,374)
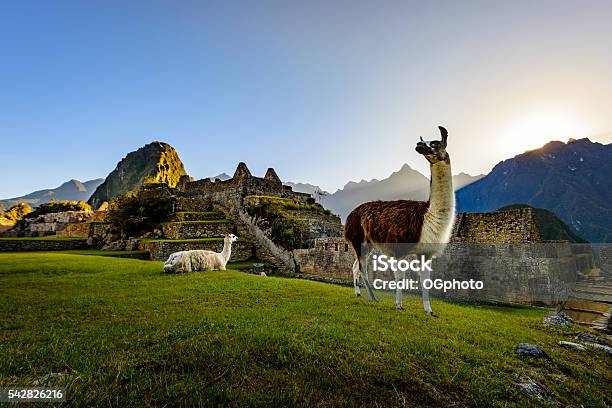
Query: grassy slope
(131,336)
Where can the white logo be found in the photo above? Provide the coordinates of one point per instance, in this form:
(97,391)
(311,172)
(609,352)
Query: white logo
(383,263)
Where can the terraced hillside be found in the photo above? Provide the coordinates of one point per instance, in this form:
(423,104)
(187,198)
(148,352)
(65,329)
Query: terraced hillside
(195,225)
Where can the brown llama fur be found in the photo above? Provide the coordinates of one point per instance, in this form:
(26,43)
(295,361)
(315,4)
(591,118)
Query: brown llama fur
(390,222)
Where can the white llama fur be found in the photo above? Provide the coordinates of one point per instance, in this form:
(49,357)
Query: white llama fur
(200,260)
(440,217)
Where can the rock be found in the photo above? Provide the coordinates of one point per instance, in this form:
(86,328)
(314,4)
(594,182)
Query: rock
(533,389)
(558,319)
(531,350)
(49,380)
(607,349)
(569,344)
(591,338)
(131,244)
(114,246)
(594,341)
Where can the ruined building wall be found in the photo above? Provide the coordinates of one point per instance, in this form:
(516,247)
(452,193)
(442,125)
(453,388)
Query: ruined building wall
(231,192)
(330,258)
(502,227)
(503,249)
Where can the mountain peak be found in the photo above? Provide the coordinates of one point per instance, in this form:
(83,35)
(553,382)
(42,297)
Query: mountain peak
(570,179)
(155,162)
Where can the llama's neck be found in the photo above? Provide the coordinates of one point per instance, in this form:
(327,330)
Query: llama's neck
(227,250)
(440,216)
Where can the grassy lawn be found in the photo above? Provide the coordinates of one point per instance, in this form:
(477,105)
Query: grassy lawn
(47,238)
(127,335)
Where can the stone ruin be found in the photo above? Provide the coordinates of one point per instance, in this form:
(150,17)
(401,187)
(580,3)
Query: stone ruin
(48,224)
(231,193)
(504,250)
(205,210)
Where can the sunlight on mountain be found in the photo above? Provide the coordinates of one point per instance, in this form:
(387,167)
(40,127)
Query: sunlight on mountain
(535,129)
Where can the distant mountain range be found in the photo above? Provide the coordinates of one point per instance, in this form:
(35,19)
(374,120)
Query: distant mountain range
(572,179)
(404,184)
(70,190)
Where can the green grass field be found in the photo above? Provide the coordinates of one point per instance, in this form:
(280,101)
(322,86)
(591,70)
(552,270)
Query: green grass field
(127,335)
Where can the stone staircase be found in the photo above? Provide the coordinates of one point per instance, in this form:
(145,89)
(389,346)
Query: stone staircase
(263,247)
(194,225)
(591,300)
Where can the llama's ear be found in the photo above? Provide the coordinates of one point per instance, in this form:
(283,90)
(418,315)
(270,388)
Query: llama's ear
(444,134)
(422,139)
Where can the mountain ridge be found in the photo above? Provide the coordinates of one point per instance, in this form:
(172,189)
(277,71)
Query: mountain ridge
(403,184)
(72,190)
(155,162)
(570,179)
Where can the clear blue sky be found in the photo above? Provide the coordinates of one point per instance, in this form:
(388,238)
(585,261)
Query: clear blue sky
(324,91)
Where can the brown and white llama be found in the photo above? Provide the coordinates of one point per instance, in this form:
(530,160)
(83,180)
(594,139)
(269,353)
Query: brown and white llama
(386,225)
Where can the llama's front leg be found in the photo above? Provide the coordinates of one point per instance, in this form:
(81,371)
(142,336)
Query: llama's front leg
(368,285)
(399,277)
(425,293)
(366,280)
(356,277)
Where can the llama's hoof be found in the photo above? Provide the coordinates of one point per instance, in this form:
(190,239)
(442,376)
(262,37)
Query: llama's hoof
(358,294)
(432,314)
(400,307)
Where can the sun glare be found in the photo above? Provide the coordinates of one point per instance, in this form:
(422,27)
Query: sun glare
(536,129)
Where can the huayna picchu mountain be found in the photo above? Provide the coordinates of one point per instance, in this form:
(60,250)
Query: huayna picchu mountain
(570,179)
(156,162)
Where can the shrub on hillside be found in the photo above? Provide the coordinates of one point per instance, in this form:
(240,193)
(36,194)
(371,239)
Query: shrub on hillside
(310,206)
(59,206)
(280,227)
(140,211)
(15,213)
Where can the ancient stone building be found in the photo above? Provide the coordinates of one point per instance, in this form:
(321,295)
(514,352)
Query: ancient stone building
(206,209)
(232,192)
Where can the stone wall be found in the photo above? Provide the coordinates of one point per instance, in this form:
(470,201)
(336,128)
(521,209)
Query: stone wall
(196,229)
(10,245)
(80,229)
(331,258)
(319,226)
(86,229)
(503,249)
(161,250)
(193,204)
(603,252)
(532,273)
(197,216)
(502,227)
